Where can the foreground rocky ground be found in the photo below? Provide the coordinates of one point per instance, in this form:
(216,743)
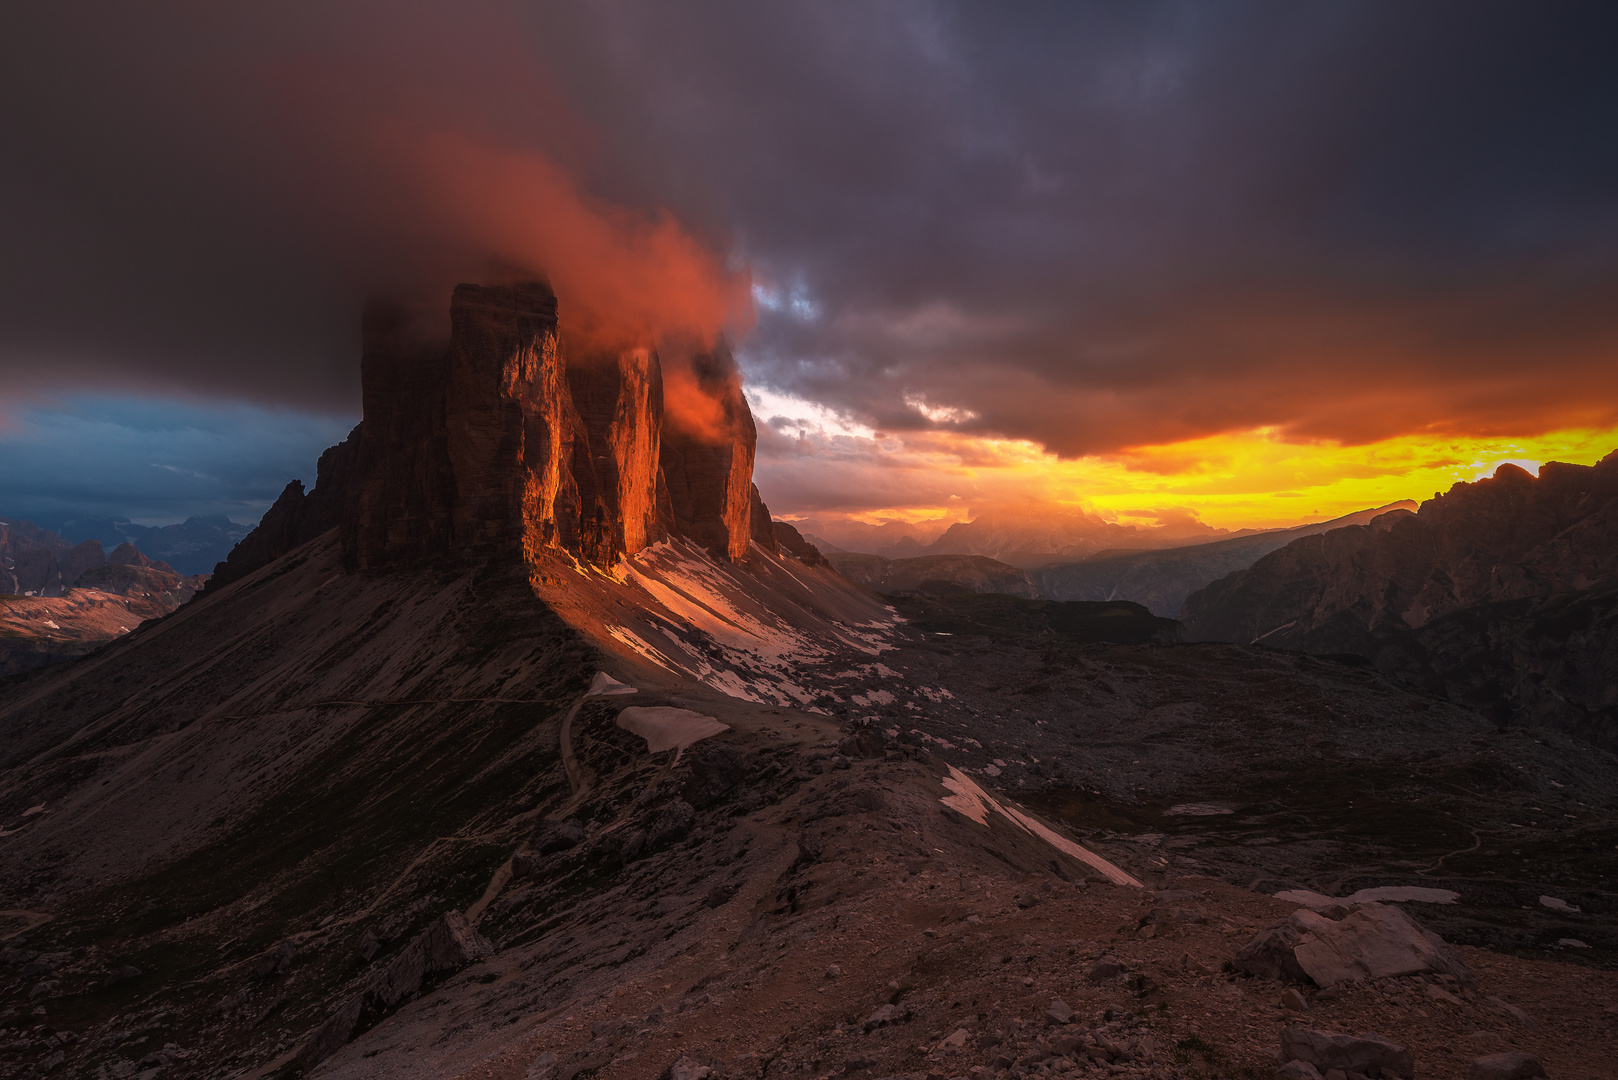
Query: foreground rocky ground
(384,831)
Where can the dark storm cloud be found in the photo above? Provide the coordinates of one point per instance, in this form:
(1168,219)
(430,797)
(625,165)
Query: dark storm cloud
(1090,225)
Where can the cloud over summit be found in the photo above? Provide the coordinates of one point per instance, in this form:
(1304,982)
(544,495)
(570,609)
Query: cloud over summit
(1090,226)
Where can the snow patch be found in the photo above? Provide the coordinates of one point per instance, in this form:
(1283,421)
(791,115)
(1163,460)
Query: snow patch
(604,685)
(666,728)
(972,801)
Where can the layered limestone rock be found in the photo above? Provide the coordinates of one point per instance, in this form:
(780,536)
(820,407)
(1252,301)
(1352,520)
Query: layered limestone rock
(617,397)
(507,417)
(405,490)
(505,441)
(708,460)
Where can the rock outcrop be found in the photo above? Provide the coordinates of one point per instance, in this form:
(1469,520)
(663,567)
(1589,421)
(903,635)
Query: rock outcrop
(791,541)
(510,438)
(1368,942)
(297,517)
(708,461)
(614,460)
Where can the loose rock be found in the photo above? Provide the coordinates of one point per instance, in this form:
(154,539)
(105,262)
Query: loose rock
(1506,1067)
(1367,1052)
(1103,969)
(550,837)
(672,823)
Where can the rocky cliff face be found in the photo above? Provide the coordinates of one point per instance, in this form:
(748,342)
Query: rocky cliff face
(615,446)
(1490,569)
(511,439)
(708,468)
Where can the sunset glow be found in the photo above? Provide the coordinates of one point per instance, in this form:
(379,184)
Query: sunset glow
(1238,480)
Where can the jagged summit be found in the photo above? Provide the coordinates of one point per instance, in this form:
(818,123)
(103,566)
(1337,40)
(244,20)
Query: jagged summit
(511,439)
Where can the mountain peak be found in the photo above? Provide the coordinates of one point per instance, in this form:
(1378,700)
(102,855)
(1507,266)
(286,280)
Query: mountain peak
(512,438)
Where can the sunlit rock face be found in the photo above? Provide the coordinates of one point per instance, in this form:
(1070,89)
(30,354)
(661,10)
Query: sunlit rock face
(617,396)
(507,415)
(505,441)
(708,460)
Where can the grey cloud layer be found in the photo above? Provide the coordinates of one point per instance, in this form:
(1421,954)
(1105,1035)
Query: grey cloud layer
(1090,225)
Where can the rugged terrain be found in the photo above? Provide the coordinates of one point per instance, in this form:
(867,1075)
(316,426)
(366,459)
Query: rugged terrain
(1162,579)
(522,747)
(43,621)
(1144,569)
(1498,593)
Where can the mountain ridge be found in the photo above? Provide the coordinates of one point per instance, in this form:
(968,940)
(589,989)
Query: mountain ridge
(1522,547)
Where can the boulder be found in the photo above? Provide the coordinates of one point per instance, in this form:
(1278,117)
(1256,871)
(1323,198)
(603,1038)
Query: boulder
(1373,941)
(1270,955)
(549,837)
(1103,969)
(1366,1053)
(122,973)
(672,823)
(1506,1067)
(449,944)
(331,1036)
(686,1067)
(1514,1012)
(272,961)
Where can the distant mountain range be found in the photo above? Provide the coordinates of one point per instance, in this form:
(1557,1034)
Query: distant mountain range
(59,600)
(934,574)
(1025,540)
(1159,578)
(194,546)
(1162,579)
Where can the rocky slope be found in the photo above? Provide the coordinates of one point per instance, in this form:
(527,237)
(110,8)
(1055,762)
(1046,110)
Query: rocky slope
(1512,568)
(934,574)
(506,811)
(1162,579)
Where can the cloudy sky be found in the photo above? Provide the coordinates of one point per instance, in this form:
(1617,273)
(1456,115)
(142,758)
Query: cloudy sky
(1258,262)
